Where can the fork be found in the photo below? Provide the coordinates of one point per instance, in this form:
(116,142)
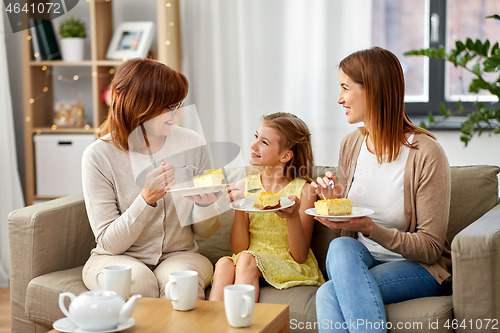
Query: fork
(252,190)
(188,167)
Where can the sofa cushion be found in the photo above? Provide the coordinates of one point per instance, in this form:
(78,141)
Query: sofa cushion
(42,296)
(420,313)
(474,191)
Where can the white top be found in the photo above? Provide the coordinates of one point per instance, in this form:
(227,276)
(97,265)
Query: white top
(380,187)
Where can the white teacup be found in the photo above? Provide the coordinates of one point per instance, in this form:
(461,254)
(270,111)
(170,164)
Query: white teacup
(117,278)
(239,300)
(182,289)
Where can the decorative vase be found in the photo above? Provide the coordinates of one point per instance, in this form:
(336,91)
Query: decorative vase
(72,49)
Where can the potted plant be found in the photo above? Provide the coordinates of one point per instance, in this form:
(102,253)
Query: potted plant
(72,33)
(478,58)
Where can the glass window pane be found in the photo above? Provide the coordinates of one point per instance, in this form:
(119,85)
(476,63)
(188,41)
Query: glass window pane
(400,26)
(467,19)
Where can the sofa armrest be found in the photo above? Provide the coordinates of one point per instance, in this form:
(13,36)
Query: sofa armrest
(43,238)
(476,269)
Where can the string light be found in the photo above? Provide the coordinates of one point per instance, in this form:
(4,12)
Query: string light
(171,24)
(29,37)
(76,77)
(36,55)
(169,4)
(44,68)
(32,100)
(38,132)
(54,127)
(87,127)
(45,89)
(167,42)
(111,71)
(28,119)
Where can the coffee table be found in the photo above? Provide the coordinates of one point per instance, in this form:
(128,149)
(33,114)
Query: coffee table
(157,315)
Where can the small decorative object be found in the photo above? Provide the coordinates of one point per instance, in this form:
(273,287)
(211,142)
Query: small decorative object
(69,114)
(106,96)
(72,33)
(131,40)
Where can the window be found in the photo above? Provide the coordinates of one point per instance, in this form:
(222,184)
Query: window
(403,25)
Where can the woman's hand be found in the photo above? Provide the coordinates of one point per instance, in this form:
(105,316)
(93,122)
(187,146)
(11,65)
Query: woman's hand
(158,182)
(360,224)
(204,199)
(290,211)
(322,188)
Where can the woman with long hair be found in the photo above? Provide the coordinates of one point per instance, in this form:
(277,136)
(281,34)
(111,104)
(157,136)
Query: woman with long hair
(398,170)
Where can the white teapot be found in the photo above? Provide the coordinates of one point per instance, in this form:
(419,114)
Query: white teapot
(97,310)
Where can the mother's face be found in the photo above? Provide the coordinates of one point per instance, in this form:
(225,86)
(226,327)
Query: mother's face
(353,98)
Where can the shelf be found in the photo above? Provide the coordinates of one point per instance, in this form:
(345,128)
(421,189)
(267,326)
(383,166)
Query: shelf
(42,87)
(35,63)
(62,130)
(110,63)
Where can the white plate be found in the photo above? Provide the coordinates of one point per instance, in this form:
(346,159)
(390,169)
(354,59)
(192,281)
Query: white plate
(198,190)
(246,205)
(67,325)
(356,212)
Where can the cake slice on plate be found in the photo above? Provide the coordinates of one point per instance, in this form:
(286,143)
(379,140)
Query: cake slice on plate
(209,178)
(333,207)
(267,200)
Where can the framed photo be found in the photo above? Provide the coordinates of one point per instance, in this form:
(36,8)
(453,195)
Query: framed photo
(131,40)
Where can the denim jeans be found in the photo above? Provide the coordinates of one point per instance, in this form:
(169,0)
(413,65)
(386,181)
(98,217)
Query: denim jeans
(358,286)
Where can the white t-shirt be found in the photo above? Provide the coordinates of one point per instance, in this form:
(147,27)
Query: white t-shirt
(380,187)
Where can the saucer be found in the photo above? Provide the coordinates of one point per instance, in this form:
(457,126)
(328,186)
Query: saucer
(67,325)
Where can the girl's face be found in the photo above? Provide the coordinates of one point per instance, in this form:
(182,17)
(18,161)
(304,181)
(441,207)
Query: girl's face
(266,147)
(353,98)
(161,125)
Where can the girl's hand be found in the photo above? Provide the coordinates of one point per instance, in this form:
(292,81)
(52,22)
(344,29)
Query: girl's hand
(360,224)
(234,194)
(290,211)
(322,188)
(205,199)
(158,182)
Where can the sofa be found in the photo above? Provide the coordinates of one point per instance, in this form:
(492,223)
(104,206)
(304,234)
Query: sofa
(50,242)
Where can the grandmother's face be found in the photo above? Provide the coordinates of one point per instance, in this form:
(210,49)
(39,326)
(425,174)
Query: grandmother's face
(162,125)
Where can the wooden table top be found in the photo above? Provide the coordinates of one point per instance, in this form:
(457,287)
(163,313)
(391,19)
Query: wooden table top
(157,315)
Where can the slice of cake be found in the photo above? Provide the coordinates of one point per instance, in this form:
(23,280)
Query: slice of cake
(267,200)
(333,207)
(209,178)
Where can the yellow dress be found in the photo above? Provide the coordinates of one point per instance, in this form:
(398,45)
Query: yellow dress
(269,244)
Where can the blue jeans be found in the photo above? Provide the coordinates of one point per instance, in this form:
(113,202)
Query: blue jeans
(358,286)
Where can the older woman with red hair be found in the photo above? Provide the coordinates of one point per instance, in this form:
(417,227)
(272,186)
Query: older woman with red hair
(135,219)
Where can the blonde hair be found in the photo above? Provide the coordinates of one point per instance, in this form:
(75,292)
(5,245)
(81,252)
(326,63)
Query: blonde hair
(379,72)
(295,136)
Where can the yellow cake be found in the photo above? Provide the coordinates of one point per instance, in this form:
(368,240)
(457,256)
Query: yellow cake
(333,207)
(209,178)
(267,200)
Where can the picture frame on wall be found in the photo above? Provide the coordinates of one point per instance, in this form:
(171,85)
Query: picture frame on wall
(131,40)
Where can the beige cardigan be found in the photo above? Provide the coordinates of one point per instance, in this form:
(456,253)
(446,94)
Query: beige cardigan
(427,191)
(122,222)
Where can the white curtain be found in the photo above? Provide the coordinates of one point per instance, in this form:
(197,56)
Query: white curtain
(11,196)
(244,59)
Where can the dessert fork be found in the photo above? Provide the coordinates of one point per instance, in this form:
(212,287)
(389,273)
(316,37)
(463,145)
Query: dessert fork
(252,190)
(188,167)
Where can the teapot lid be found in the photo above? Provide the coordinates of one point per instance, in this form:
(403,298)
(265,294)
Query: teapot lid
(100,294)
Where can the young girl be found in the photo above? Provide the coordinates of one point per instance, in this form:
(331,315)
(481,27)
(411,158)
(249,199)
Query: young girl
(274,246)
